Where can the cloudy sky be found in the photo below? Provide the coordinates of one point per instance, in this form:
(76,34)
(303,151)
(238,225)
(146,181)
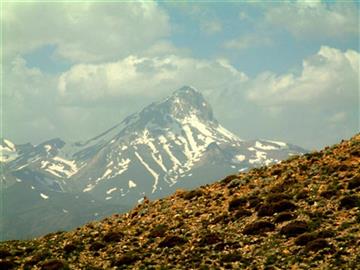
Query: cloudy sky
(285,71)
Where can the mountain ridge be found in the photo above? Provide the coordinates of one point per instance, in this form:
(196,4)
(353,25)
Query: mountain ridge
(174,143)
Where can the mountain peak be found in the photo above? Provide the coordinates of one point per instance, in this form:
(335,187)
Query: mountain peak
(187,93)
(187,101)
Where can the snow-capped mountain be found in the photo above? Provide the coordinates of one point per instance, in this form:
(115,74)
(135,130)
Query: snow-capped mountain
(174,143)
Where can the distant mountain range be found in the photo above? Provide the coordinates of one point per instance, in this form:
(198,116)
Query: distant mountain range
(171,144)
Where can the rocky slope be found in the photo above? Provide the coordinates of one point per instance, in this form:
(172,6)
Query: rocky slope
(302,213)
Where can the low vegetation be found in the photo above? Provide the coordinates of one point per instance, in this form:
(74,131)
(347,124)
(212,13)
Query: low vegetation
(302,213)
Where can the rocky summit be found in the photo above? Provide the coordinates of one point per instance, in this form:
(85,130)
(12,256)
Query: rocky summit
(302,213)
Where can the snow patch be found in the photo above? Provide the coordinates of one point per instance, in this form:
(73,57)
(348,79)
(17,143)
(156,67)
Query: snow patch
(140,200)
(151,171)
(110,164)
(7,151)
(111,190)
(261,146)
(44,196)
(240,158)
(70,163)
(132,184)
(88,188)
(9,145)
(227,133)
(260,157)
(23,166)
(282,144)
(166,147)
(190,138)
(106,173)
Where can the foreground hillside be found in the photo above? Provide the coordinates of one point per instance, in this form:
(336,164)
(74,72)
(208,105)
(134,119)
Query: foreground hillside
(302,213)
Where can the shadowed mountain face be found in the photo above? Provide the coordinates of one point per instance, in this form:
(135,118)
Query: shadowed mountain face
(302,213)
(175,143)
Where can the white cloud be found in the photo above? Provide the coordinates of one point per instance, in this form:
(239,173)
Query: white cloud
(248,41)
(337,117)
(143,76)
(22,83)
(310,107)
(84,32)
(28,101)
(315,19)
(211,27)
(165,47)
(328,76)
